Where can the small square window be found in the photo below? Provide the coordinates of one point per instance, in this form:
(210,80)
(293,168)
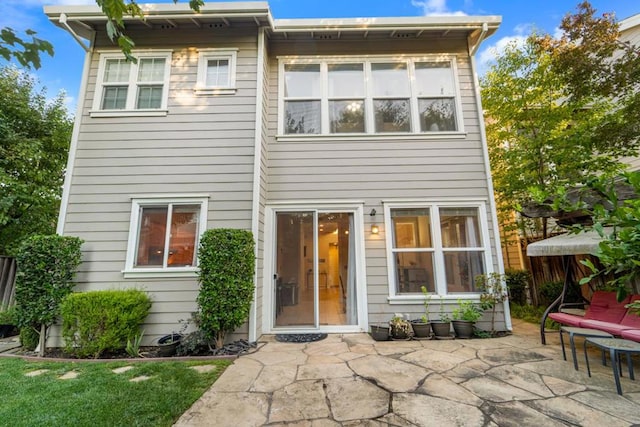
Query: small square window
(216,72)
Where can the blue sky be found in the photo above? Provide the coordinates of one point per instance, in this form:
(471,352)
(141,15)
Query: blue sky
(63,71)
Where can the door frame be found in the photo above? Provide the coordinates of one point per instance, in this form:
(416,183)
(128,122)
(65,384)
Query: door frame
(270,241)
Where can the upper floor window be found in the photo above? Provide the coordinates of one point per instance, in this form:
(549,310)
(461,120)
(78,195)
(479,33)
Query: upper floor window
(442,247)
(216,71)
(369,96)
(124,87)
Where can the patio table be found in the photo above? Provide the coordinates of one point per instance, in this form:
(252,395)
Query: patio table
(581,332)
(616,348)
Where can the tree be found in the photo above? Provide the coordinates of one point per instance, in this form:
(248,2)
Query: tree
(26,52)
(541,142)
(34,140)
(593,63)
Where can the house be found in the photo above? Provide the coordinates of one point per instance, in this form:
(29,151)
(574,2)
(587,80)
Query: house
(353,149)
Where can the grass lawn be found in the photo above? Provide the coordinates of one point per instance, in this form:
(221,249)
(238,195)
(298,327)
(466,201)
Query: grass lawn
(98,397)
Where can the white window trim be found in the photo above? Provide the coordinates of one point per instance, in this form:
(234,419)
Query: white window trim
(131,272)
(204,55)
(438,261)
(368,98)
(130,109)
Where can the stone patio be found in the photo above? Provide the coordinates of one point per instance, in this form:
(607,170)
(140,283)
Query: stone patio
(349,380)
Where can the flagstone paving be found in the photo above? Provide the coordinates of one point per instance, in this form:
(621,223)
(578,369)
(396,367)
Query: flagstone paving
(351,380)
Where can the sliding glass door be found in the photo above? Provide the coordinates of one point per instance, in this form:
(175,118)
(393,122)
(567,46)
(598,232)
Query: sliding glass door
(315,279)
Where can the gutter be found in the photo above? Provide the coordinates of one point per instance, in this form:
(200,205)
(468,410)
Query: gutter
(63,22)
(483,33)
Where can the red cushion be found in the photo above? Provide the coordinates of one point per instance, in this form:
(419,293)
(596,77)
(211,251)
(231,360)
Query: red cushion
(612,328)
(631,334)
(632,318)
(606,308)
(566,319)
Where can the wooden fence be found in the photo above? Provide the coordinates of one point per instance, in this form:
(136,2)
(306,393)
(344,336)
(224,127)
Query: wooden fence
(7,280)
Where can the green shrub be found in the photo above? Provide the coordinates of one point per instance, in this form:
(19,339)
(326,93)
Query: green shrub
(226,261)
(46,266)
(517,281)
(531,314)
(29,337)
(99,321)
(8,315)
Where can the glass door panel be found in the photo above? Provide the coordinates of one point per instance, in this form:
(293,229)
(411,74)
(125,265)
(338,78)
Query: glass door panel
(294,280)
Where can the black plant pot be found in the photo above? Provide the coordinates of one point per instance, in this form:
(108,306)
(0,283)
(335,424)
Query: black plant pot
(441,329)
(380,333)
(421,329)
(168,344)
(463,328)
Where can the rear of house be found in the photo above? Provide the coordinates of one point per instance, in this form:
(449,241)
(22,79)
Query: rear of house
(352,148)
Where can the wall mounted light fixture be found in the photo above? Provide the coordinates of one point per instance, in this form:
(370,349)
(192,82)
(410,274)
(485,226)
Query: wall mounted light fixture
(374,228)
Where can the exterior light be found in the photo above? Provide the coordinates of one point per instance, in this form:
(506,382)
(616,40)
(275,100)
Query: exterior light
(375,229)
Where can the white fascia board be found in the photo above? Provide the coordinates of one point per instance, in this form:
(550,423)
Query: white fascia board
(630,22)
(386,23)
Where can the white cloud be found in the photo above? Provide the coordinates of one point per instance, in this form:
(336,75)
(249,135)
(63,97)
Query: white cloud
(436,8)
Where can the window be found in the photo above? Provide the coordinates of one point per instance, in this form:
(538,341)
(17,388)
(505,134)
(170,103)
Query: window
(216,72)
(164,235)
(441,247)
(345,96)
(124,87)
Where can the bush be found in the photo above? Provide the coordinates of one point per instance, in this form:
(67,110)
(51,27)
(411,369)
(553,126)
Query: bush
(517,281)
(29,337)
(99,321)
(46,266)
(226,261)
(8,315)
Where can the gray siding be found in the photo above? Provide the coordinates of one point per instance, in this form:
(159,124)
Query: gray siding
(204,145)
(378,169)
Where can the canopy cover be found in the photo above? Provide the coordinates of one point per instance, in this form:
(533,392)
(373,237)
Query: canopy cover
(585,242)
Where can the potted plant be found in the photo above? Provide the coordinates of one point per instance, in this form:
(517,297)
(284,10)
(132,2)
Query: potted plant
(400,328)
(168,344)
(442,327)
(421,326)
(464,318)
(494,291)
(380,332)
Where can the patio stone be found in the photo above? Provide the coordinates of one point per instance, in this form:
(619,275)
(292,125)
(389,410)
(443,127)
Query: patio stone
(435,360)
(273,378)
(363,349)
(324,371)
(504,356)
(517,414)
(71,375)
(388,348)
(439,386)
(448,346)
(326,349)
(309,423)
(323,360)
(394,420)
(432,411)
(494,390)
(356,399)
(293,357)
(140,379)
(202,369)
(576,413)
(564,371)
(238,377)
(122,370)
(345,357)
(355,339)
(561,387)
(36,373)
(462,374)
(393,375)
(280,346)
(521,378)
(300,401)
(227,409)
(611,403)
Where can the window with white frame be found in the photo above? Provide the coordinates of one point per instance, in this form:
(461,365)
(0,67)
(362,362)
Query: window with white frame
(123,86)
(375,95)
(164,234)
(440,247)
(216,71)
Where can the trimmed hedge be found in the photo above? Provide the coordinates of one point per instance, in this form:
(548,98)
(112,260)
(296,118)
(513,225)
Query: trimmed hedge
(99,321)
(226,260)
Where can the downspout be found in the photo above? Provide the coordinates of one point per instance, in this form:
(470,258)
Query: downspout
(257,163)
(66,188)
(487,166)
